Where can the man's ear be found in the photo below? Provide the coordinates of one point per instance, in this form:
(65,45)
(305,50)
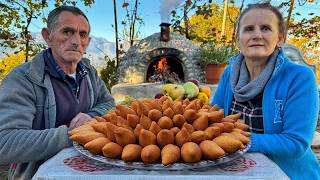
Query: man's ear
(46,35)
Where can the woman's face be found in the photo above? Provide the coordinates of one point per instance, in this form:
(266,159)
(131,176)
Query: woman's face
(258,34)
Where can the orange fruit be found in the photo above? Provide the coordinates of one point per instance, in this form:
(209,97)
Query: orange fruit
(206,90)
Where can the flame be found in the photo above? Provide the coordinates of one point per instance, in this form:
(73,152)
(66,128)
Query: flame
(162,64)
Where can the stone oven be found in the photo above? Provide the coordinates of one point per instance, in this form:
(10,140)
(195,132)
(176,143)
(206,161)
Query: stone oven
(159,54)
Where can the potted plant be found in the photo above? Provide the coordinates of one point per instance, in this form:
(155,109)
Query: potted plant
(213,60)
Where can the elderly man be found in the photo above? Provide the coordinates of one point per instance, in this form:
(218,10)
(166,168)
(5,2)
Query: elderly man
(43,99)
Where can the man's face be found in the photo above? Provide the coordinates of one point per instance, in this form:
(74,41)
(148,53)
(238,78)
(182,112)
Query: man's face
(69,38)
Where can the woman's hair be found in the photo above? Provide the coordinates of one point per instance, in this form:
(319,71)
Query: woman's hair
(267,6)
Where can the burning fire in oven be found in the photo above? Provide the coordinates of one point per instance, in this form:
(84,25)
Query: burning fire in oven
(162,64)
(162,72)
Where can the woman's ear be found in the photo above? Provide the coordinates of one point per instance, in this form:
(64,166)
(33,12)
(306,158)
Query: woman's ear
(46,35)
(281,40)
(238,43)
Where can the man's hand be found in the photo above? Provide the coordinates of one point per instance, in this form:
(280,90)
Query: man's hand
(79,119)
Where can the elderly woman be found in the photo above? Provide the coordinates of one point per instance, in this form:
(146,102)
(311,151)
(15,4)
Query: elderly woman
(276,98)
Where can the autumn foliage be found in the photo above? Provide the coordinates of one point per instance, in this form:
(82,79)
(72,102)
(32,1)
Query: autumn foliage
(10,62)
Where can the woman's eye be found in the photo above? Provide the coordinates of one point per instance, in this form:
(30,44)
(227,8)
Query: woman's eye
(265,28)
(248,29)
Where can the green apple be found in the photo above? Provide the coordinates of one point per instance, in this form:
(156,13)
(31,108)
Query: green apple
(176,91)
(166,89)
(191,90)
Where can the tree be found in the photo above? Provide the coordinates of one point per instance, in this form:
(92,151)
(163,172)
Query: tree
(130,22)
(15,19)
(108,74)
(303,32)
(206,23)
(10,62)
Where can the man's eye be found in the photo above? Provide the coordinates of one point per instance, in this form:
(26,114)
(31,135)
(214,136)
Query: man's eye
(67,32)
(83,35)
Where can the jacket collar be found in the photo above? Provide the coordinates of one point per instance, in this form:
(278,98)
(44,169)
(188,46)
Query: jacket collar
(36,70)
(280,62)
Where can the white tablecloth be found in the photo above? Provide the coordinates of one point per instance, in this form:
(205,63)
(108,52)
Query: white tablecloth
(69,164)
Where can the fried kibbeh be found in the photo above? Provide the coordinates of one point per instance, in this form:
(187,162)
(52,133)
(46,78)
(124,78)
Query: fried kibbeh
(241,126)
(227,126)
(124,110)
(244,139)
(175,130)
(133,120)
(170,154)
(86,127)
(168,112)
(111,117)
(155,128)
(163,130)
(228,120)
(165,122)
(112,150)
(210,150)
(178,120)
(227,143)
(178,108)
(150,154)
(165,137)
(100,127)
(212,132)
(198,136)
(234,116)
(110,131)
(83,137)
(95,146)
(137,131)
(214,108)
(190,115)
(131,152)
(154,115)
(201,123)
(146,138)
(124,136)
(145,122)
(215,116)
(242,132)
(191,152)
(182,137)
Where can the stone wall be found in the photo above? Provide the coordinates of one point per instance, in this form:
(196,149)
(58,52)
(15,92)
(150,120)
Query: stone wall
(134,64)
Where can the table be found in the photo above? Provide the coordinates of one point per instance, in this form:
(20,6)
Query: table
(69,164)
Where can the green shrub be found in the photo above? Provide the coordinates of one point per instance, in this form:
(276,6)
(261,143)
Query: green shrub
(213,53)
(109,74)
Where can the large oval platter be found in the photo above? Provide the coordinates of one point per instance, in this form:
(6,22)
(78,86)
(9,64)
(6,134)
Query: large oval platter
(159,166)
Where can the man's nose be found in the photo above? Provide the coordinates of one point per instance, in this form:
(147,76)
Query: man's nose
(76,39)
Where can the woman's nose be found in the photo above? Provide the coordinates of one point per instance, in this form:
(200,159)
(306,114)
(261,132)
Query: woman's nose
(257,34)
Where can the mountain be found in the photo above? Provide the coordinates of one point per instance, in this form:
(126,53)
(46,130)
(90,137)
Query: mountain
(97,50)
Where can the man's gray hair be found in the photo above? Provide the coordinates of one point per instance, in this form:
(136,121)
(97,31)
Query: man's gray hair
(54,15)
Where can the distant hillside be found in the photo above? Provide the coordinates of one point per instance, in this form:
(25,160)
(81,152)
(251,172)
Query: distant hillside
(98,48)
